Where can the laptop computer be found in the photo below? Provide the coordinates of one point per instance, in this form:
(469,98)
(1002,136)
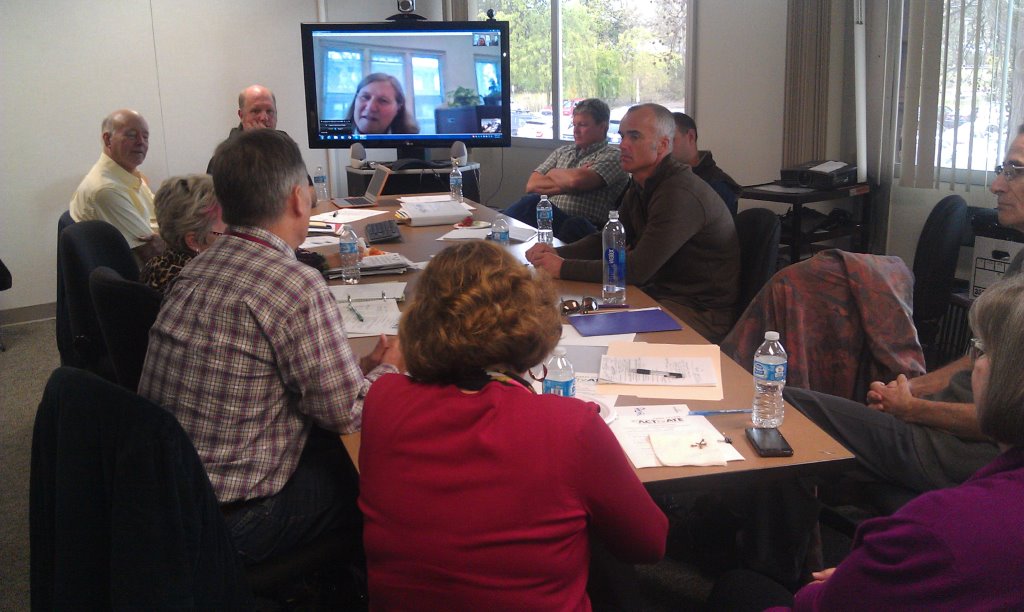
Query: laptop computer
(373,190)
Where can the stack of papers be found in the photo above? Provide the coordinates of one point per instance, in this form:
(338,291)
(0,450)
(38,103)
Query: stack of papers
(371,265)
(337,218)
(515,234)
(431,210)
(388,263)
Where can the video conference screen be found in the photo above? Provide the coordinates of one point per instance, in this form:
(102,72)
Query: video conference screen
(423,84)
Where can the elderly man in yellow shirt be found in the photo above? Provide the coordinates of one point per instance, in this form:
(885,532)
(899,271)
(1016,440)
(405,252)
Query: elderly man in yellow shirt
(115,191)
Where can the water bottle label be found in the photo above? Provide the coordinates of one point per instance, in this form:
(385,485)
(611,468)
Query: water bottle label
(348,247)
(544,213)
(615,262)
(501,236)
(770,371)
(565,388)
(320,179)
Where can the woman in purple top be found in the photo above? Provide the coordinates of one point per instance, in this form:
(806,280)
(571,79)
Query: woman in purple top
(960,548)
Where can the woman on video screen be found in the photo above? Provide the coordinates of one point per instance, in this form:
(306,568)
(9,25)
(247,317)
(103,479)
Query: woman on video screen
(379,107)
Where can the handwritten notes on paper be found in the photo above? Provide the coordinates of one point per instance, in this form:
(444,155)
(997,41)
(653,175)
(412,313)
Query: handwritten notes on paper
(641,350)
(675,371)
(370,318)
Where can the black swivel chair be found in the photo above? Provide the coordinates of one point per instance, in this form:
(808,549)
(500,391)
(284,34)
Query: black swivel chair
(935,268)
(759,230)
(64,336)
(125,311)
(5,284)
(83,247)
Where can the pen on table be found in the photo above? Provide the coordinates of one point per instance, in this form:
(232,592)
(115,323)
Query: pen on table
(714,412)
(353,309)
(659,373)
(607,306)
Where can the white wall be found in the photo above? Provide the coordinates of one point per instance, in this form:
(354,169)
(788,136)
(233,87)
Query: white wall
(181,63)
(65,64)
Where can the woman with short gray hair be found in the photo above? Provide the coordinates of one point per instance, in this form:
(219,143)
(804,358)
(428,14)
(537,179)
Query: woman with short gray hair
(190,220)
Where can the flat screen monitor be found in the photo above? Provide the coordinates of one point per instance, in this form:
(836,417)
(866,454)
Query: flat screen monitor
(407,85)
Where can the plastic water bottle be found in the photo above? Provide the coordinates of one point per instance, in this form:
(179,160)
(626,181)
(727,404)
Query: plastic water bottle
(613,242)
(499,231)
(770,363)
(455,181)
(545,235)
(348,246)
(320,185)
(561,379)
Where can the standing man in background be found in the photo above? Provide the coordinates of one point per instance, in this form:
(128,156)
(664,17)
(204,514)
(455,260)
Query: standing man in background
(115,191)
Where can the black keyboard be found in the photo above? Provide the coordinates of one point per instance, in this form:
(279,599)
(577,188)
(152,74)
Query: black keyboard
(382,231)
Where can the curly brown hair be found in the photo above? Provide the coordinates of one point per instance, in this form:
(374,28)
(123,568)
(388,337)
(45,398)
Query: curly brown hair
(476,307)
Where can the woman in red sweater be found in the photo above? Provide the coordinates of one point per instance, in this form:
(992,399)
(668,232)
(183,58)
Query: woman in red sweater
(478,493)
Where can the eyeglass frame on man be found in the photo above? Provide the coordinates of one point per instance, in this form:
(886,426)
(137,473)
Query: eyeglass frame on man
(1009,170)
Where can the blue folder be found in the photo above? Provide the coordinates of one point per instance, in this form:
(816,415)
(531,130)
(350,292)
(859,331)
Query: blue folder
(623,322)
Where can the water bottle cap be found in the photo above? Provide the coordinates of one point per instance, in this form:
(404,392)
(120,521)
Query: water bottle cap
(613,214)
(771,335)
(559,351)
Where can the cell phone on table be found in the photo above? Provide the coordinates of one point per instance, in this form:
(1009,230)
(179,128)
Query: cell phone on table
(769,442)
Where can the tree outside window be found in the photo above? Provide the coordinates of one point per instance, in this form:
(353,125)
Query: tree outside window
(622,51)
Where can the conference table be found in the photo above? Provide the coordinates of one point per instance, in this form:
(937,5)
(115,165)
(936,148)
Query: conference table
(814,451)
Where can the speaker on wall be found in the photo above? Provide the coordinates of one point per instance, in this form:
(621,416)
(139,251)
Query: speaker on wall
(459,152)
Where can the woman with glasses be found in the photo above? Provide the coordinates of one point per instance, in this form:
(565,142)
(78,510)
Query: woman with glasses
(478,493)
(949,549)
(190,220)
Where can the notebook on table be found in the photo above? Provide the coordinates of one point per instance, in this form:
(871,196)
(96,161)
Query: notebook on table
(373,190)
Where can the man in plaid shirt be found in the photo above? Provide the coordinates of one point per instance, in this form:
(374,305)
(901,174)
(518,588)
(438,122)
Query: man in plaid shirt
(249,353)
(584,180)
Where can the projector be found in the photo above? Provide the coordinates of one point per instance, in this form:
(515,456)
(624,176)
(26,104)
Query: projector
(820,175)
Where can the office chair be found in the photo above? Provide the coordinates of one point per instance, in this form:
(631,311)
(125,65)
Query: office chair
(5,284)
(125,311)
(935,259)
(83,247)
(759,230)
(63,318)
(121,512)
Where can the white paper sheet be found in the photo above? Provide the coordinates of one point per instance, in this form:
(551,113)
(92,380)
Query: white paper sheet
(348,215)
(672,371)
(379,317)
(572,337)
(636,424)
(641,349)
(467,233)
(313,242)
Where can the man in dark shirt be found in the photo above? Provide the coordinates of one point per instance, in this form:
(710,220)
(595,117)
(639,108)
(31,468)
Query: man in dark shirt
(684,149)
(681,241)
